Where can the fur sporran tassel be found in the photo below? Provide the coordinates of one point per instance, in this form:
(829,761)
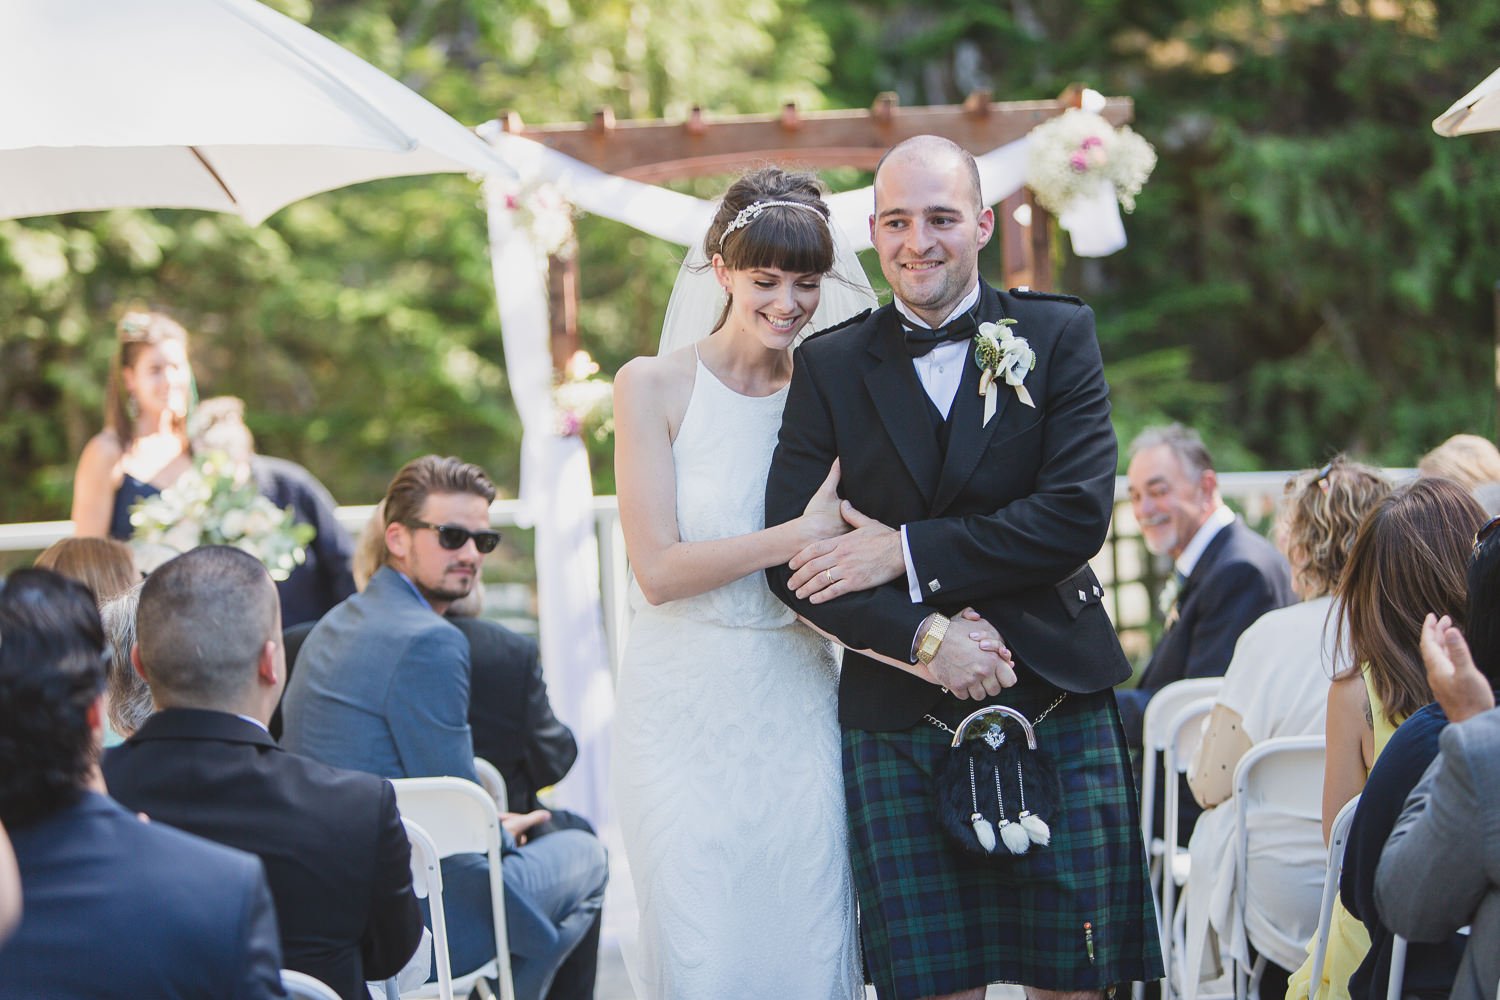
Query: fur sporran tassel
(1033,824)
(1014,835)
(983,831)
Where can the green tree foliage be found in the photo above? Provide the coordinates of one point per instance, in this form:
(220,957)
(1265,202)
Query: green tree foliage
(1310,268)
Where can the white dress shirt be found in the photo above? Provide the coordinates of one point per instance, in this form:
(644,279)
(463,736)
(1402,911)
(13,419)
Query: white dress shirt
(1187,561)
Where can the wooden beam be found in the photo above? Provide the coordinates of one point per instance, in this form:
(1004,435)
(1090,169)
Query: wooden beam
(657,150)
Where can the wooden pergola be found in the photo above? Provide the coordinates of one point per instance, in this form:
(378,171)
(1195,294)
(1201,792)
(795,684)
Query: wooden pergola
(654,151)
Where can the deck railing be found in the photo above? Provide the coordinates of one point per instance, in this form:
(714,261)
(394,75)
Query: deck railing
(1130,575)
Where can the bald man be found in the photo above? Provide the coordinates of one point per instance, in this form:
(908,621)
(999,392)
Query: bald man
(965,583)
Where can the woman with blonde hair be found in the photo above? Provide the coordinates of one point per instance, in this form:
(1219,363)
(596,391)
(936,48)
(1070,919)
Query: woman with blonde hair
(1276,685)
(1409,558)
(144,446)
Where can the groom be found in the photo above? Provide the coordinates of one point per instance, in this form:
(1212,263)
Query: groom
(995,512)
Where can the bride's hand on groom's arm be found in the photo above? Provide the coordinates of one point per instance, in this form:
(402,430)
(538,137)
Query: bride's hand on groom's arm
(822,518)
(865,557)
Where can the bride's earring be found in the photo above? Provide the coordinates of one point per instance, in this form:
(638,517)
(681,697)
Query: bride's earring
(132,407)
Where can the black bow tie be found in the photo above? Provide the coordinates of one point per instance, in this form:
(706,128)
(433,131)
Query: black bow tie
(919,341)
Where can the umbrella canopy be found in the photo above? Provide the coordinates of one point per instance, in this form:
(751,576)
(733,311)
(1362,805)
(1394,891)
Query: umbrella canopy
(215,104)
(1476,111)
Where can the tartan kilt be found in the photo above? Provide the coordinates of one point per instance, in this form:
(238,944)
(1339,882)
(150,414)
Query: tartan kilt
(1075,915)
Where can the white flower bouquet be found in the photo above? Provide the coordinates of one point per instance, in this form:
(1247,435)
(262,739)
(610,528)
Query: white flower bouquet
(216,503)
(582,402)
(1077,153)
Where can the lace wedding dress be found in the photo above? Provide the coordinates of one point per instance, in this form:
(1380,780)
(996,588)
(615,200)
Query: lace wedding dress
(727,770)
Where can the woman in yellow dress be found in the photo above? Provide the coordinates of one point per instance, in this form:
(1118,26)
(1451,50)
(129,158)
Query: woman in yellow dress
(1409,558)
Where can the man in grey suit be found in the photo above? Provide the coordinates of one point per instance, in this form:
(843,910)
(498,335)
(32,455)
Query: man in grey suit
(382,685)
(1440,868)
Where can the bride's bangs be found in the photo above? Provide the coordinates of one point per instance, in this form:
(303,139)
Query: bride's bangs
(788,239)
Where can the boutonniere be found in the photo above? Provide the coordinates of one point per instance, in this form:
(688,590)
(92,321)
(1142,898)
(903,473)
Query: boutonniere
(1000,354)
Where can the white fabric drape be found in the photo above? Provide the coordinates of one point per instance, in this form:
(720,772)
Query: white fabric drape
(556,494)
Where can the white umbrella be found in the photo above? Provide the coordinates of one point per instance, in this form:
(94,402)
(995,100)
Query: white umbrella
(1476,111)
(214,104)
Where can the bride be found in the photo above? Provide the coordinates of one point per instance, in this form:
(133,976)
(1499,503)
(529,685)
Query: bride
(727,768)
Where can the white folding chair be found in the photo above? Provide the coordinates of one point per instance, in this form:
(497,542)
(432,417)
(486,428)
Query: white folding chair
(1185,733)
(493,782)
(1157,733)
(460,818)
(301,986)
(1284,774)
(1337,836)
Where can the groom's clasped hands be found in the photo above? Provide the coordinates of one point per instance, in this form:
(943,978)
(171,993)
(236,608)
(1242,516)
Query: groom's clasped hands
(861,553)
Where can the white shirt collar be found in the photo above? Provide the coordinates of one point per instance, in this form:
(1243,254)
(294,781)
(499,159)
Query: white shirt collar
(964,305)
(255,722)
(1221,518)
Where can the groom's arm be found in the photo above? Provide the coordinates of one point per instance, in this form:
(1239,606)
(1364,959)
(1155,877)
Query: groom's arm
(883,618)
(1040,538)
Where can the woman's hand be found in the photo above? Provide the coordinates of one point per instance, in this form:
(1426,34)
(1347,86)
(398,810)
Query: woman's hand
(1456,682)
(821,517)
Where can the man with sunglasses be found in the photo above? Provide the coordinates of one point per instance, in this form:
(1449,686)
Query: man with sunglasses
(382,685)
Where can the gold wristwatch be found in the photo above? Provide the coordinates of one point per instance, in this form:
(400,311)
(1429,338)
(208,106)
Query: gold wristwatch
(932,638)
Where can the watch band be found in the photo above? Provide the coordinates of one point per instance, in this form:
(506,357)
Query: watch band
(932,638)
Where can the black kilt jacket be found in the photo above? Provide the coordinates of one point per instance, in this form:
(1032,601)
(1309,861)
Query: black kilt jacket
(1005,521)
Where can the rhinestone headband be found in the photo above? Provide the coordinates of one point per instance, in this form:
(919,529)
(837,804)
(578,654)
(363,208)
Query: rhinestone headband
(748,215)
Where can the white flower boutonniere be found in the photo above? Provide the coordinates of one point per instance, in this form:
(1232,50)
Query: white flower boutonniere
(1000,354)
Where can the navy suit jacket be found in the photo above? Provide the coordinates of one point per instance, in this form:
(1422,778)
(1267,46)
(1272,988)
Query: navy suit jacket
(1239,577)
(325,577)
(118,908)
(512,721)
(1005,521)
(335,853)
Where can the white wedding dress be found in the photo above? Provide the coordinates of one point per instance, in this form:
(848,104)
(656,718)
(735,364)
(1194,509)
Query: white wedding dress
(727,770)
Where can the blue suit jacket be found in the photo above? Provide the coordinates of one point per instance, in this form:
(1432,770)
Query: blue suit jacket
(1239,577)
(114,907)
(382,685)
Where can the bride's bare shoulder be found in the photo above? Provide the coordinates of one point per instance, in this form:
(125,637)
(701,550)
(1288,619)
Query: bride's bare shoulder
(660,384)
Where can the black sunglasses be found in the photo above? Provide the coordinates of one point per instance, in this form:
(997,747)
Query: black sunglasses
(452,537)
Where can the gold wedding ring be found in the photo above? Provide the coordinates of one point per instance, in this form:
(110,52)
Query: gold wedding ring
(828,575)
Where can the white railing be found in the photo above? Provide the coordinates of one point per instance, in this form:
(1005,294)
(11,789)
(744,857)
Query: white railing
(1123,565)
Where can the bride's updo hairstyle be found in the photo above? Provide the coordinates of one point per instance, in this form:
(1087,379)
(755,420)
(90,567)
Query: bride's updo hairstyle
(750,233)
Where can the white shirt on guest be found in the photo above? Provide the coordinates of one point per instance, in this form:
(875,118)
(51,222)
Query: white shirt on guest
(1221,518)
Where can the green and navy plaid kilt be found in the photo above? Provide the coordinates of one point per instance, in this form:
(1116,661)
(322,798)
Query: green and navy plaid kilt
(1075,915)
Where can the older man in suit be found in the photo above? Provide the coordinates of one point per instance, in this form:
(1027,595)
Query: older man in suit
(114,907)
(1224,575)
(336,855)
(976,513)
(382,685)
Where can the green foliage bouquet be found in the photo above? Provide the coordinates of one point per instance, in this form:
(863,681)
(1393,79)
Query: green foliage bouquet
(216,503)
(1076,152)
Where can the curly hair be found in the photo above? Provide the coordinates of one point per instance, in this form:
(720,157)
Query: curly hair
(51,672)
(1408,559)
(1320,514)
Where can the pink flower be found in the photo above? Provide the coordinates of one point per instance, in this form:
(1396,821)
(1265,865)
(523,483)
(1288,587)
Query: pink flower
(1079,161)
(1092,141)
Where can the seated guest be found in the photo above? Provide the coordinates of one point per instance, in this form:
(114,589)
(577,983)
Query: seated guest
(114,907)
(323,579)
(382,685)
(127,698)
(108,568)
(1440,869)
(1409,557)
(104,565)
(1224,574)
(336,855)
(1276,685)
(1470,461)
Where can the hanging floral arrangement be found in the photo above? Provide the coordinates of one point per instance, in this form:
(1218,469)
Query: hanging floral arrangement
(1077,153)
